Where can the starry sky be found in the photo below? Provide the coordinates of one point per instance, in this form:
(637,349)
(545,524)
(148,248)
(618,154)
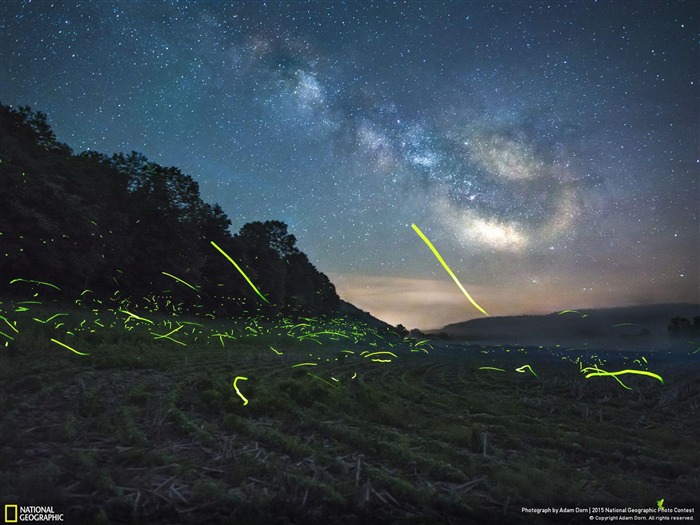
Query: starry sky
(549,150)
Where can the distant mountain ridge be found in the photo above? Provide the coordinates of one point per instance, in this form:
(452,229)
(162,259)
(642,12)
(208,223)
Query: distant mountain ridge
(626,328)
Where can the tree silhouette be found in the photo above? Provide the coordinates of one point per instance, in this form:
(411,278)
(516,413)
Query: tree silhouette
(123,223)
(682,327)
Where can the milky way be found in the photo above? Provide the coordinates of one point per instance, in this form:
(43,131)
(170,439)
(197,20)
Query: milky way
(550,152)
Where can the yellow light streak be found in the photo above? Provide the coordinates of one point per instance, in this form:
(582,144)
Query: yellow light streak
(522,370)
(8,323)
(68,347)
(240,270)
(382,353)
(447,268)
(13,281)
(235,387)
(600,372)
(181,281)
(127,312)
(321,379)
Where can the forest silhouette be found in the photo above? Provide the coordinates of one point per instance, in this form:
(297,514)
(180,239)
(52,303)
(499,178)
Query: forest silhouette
(125,227)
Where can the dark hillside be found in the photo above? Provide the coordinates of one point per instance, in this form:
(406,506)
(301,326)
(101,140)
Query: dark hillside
(126,227)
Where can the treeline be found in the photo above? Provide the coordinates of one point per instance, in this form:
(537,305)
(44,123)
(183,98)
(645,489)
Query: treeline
(682,327)
(125,227)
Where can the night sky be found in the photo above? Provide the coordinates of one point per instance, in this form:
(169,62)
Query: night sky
(550,151)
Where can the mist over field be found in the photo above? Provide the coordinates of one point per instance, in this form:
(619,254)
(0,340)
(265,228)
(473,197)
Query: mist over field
(639,328)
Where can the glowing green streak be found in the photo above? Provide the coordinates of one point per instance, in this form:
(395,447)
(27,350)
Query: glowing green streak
(170,338)
(311,337)
(447,268)
(52,317)
(491,368)
(380,353)
(8,336)
(327,332)
(522,369)
(180,280)
(236,380)
(127,312)
(625,324)
(600,372)
(190,322)
(8,323)
(167,336)
(33,281)
(321,379)
(614,377)
(276,351)
(68,347)
(381,360)
(240,270)
(223,335)
(304,364)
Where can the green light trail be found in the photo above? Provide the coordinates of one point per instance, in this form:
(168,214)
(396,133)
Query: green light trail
(68,347)
(181,281)
(380,353)
(321,379)
(167,336)
(8,323)
(127,312)
(522,370)
(447,268)
(240,270)
(235,387)
(158,336)
(13,281)
(600,372)
(44,322)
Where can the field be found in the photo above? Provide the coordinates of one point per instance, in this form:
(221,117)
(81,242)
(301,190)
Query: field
(176,419)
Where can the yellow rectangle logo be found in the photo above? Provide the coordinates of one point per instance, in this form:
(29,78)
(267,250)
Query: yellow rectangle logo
(8,513)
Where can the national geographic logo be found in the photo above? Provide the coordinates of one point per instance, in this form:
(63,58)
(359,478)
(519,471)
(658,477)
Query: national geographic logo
(15,514)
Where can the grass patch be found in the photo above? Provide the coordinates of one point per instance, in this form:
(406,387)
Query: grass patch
(147,430)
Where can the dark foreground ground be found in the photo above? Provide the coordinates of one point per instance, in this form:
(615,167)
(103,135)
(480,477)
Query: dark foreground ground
(149,429)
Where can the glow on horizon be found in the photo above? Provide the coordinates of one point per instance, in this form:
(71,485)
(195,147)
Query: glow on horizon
(404,300)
